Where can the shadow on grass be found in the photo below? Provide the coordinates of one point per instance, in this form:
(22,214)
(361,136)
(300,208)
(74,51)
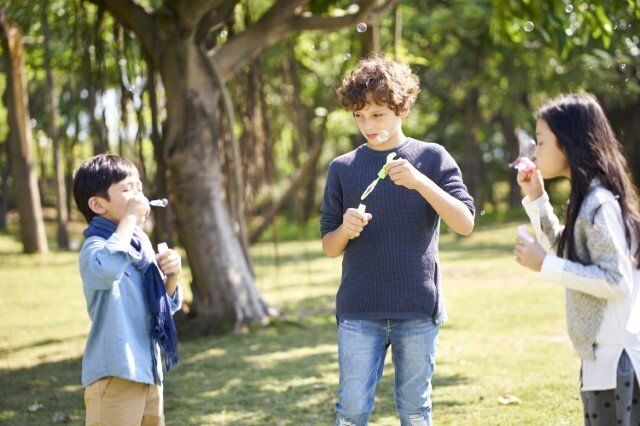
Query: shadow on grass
(36,344)
(287,259)
(286,372)
(54,385)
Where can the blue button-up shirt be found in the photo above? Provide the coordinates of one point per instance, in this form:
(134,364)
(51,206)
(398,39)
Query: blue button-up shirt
(119,342)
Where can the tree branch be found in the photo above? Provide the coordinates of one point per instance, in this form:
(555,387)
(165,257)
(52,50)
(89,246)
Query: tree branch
(135,17)
(367,9)
(214,20)
(190,12)
(279,22)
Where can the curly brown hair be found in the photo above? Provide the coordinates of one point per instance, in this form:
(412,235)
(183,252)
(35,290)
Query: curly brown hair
(388,82)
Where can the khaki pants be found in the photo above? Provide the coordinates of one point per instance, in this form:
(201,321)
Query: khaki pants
(116,401)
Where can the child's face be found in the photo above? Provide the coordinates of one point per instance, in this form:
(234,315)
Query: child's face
(549,157)
(119,195)
(379,124)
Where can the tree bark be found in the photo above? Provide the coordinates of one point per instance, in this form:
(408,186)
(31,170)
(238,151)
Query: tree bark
(92,78)
(162,229)
(62,214)
(26,191)
(397,30)
(626,126)
(4,188)
(472,154)
(371,39)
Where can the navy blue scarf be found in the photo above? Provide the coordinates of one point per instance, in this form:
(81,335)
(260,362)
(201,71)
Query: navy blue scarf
(163,329)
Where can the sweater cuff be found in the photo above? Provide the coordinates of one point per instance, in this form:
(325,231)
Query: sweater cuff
(552,269)
(538,203)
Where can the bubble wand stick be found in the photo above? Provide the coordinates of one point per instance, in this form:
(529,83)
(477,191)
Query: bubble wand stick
(381,175)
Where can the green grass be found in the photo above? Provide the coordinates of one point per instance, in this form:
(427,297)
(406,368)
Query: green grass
(506,334)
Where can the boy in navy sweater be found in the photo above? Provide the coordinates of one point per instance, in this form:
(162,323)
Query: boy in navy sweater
(390,293)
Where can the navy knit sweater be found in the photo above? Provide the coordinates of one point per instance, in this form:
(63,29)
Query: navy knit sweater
(391,270)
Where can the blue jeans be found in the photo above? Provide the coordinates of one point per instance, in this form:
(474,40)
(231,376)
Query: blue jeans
(362,347)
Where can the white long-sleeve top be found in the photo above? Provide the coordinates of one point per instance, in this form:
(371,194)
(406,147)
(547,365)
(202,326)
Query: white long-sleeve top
(610,280)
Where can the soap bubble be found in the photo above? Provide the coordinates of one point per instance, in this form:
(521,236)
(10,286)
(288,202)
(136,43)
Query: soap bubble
(224,33)
(482,213)
(362,27)
(312,47)
(528,26)
(159,203)
(347,56)
(526,144)
(382,136)
(568,8)
(526,149)
(74,244)
(321,112)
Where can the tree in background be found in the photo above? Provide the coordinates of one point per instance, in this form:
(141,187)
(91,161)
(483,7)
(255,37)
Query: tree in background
(26,191)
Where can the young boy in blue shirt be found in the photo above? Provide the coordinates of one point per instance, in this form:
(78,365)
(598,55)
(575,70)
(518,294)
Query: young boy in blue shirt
(390,293)
(131,295)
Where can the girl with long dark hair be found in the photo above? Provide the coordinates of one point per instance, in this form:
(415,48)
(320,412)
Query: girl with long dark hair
(595,255)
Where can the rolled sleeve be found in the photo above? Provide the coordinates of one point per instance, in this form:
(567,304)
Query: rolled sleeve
(103,261)
(175,302)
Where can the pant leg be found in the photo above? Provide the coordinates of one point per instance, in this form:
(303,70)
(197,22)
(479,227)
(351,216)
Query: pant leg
(362,346)
(154,407)
(413,345)
(115,401)
(619,406)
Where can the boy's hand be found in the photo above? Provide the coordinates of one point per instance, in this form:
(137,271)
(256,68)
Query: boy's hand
(353,222)
(170,264)
(403,173)
(138,206)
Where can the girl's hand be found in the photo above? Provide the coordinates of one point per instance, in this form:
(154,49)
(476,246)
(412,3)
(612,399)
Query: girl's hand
(531,183)
(530,255)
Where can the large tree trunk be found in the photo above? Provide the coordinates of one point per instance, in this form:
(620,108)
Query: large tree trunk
(62,214)
(25,181)
(223,284)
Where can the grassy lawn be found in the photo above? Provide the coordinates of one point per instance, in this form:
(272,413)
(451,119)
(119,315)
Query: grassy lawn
(506,335)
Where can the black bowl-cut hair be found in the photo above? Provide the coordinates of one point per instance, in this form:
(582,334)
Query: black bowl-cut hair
(95,176)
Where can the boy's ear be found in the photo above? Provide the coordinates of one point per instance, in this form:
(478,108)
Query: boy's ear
(96,204)
(404,112)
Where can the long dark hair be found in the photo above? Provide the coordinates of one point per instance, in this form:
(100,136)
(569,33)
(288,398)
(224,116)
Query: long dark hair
(585,135)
